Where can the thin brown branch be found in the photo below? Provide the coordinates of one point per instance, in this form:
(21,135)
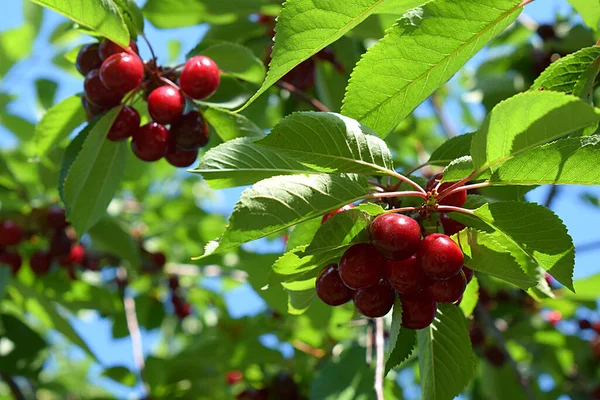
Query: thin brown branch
(305,348)
(380,358)
(12,385)
(303,96)
(369,350)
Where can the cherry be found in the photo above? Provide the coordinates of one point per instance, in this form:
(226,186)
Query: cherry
(455,199)
(122,72)
(418,311)
(439,256)
(584,324)
(595,347)
(283,386)
(181,307)
(181,158)
(330,288)
(56,218)
(91,110)
(334,212)
(596,327)
(451,226)
(97,93)
(75,256)
(596,393)
(158,259)
(88,58)
(200,77)
(494,355)
(165,104)
(449,290)
(406,276)
(503,296)
(302,76)
(12,259)
(108,48)
(468,273)
(190,131)
(374,301)
(125,125)
(40,262)
(150,142)
(395,236)
(11,234)
(173,282)
(91,263)
(361,266)
(233,377)
(477,336)
(546,32)
(253,394)
(60,244)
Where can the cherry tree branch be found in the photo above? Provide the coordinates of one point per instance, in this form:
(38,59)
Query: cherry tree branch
(303,96)
(12,385)
(379,358)
(136,337)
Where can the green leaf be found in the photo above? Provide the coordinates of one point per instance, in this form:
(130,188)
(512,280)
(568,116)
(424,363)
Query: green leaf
(230,126)
(528,120)
(452,149)
(121,375)
(573,161)
(589,11)
(470,297)
(402,340)
(15,44)
(340,232)
(94,176)
(100,16)
(574,74)
(305,27)
(295,264)
(419,54)
(586,288)
(57,124)
(22,352)
(110,235)
(46,90)
(132,16)
(70,156)
(446,360)
(233,59)
(5,274)
(282,201)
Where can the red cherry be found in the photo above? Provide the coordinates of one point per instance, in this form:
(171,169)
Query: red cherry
(97,93)
(449,290)
(181,158)
(596,327)
(200,77)
(233,377)
(330,288)
(375,301)
(165,104)
(406,276)
(190,131)
(418,311)
(12,259)
(439,256)
(158,259)
(181,307)
(395,236)
(108,48)
(60,244)
(494,355)
(91,110)
(451,226)
(150,142)
(75,256)
(468,273)
(56,218)
(477,336)
(126,124)
(173,282)
(554,317)
(91,263)
(40,262)
(334,212)
(456,199)
(361,266)
(11,234)
(88,58)
(302,76)
(584,324)
(122,72)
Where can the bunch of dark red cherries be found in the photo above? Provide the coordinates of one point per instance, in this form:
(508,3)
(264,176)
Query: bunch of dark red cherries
(114,76)
(423,271)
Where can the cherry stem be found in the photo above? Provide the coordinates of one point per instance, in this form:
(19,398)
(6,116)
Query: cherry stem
(369,339)
(303,96)
(457,209)
(396,194)
(374,183)
(403,209)
(455,185)
(418,167)
(149,46)
(409,181)
(464,188)
(379,357)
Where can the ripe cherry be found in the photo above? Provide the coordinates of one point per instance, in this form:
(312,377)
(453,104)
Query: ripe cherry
(126,124)
(449,290)
(455,199)
(418,311)
(91,110)
(75,256)
(361,266)
(200,77)
(12,259)
(450,226)
(173,282)
(91,263)
(88,58)
(190,131)
(165,104)
(56,218)
(584,324)
(468,273)
(11,234)
(158,259)
(395,236)
(108,48)
(477,336)
(406,276)
(60,244)
(494,355)
(40,262)
(375,301)
(122,72)
(181,307)
(233,377)
(181,158)
(596,327)
(439,256)
(554,317)
(334,212)
(97,93)
(150,142)
(330,288)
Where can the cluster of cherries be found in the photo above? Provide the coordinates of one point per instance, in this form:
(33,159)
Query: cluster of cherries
(181,307)
(282,386)
(423,271)
(114,75)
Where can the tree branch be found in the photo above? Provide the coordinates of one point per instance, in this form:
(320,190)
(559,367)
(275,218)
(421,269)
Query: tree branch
(12,385)
(380,358)
(551,195)
(303,96)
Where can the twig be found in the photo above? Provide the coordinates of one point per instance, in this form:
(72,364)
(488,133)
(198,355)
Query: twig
(464,188)
(136,337)
(447,126)
(489,325)
(12,385)
(551,195)
(369,350)
(303,96)
(305,348)
(418,167)
(457,209)
(380,358)
(149,46)
(407,180)
(455,185)
(396,194)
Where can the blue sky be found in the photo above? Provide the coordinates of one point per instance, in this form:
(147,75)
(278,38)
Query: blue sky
(581,219)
